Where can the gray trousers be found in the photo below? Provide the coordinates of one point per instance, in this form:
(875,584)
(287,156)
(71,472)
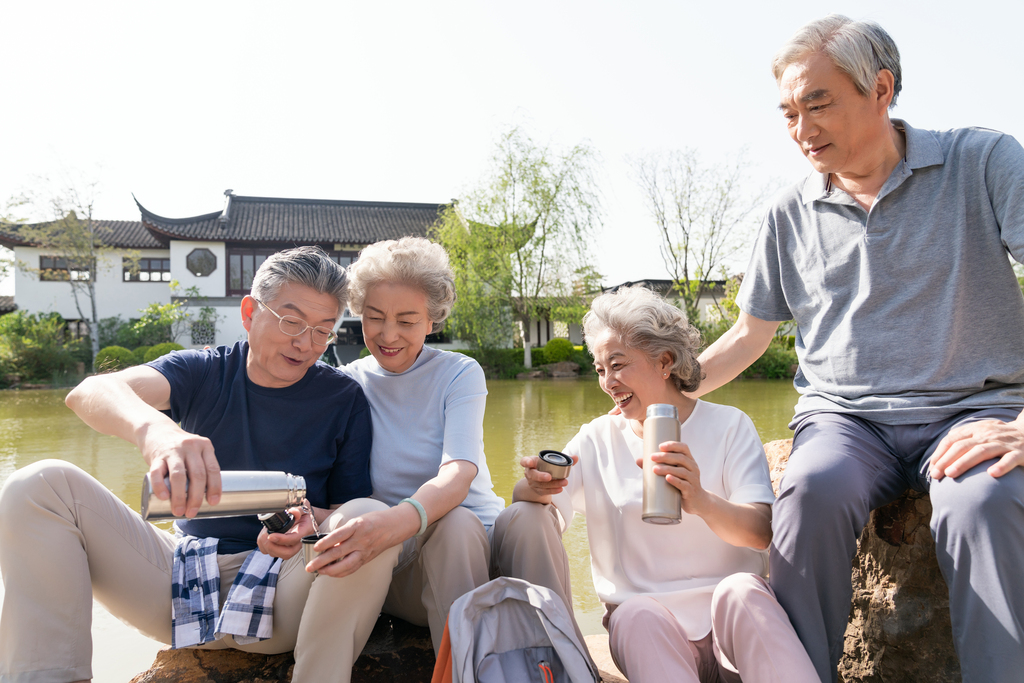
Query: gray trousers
(843,467)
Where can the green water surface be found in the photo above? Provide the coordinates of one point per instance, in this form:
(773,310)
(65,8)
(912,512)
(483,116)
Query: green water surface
(522,418)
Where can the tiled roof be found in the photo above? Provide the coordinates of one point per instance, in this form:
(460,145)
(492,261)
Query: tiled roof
(7,304)
(127,234)
(269,219)
(665,287)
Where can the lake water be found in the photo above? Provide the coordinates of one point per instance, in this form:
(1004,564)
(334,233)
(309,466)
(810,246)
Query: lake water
(522,418)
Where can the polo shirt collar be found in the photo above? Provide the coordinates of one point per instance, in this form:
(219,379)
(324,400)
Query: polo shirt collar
(922,150)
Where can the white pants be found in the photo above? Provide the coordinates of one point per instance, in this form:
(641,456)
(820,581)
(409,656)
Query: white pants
(750,634)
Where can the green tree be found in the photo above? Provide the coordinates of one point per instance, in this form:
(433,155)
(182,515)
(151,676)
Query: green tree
(520,243)
(76,241)
(703,213)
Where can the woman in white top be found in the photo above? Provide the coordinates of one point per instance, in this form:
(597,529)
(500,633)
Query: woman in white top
(685,602)
(427,460)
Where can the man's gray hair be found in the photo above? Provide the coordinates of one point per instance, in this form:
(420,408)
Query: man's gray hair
(309,266)
(860,49)
(412,261)
(646,322)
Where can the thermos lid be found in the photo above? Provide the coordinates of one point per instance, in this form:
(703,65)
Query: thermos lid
(556,458)
(662,410)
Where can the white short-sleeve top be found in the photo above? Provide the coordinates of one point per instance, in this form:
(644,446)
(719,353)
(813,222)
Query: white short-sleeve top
(677,565)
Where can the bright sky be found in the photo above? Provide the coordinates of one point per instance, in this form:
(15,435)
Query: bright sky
(402,101)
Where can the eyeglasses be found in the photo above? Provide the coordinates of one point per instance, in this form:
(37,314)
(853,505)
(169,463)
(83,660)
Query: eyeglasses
(293,327)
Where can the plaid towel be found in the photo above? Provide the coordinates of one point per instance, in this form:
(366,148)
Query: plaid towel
(195,595)
(248,612)
(195,591)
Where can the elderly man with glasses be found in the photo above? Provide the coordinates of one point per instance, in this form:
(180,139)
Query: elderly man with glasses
(260,404)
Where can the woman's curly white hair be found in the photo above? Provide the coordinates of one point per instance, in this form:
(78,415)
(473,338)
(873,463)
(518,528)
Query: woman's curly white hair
(412,261)
(646,322)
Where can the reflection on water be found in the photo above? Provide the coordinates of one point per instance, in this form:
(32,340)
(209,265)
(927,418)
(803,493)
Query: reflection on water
(522,418)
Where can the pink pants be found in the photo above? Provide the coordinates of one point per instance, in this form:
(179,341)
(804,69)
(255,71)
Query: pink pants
(750,634)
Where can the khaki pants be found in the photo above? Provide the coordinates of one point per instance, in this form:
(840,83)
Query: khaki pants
(526,543)
(64,539)
(447,561)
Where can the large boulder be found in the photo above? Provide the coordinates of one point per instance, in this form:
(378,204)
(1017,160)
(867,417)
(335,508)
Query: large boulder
(899,627)
(397,652)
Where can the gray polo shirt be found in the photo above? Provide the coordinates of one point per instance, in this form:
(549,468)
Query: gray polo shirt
(910,312)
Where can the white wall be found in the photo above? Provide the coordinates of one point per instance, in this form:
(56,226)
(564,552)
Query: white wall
(114,296)
(214,284)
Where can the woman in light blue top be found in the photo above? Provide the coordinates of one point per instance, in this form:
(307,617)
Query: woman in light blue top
(427,460)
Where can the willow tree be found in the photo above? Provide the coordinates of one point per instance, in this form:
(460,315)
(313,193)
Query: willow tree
(522,240)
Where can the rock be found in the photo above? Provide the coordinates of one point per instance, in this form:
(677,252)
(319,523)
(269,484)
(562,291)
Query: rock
(397,652)
(531,374)
(602,656)
(565,368)
(899,628)
(217,666)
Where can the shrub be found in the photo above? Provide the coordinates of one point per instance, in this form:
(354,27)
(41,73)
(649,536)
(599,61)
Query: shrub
(581,356)
(162,350)
(558,350)
(35,347)
(113,358)
(140,354)
(776,362)
(364,353)
(108,331)
(498,363)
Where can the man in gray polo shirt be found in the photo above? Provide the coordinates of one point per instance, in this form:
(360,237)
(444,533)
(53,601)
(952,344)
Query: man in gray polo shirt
(891,258)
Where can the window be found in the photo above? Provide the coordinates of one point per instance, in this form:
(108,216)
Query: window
(243,262)
(242,265)
(76,329)
(149,270)
(55,268)
(201,262)
(343,258)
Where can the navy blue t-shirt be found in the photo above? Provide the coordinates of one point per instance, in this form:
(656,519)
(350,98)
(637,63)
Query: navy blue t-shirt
(318,428)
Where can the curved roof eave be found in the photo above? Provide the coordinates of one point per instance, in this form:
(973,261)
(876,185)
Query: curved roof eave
(146,213)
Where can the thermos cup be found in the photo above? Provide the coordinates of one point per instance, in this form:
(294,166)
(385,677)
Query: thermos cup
(555,463)
(308,554)
(243,493)
(662,501)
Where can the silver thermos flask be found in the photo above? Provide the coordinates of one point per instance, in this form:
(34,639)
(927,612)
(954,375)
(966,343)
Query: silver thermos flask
(243,493)
(662,501)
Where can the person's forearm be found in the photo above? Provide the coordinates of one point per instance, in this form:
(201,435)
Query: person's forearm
(447,490)
(734,352)
(741,525)
(109,405)
(438,496)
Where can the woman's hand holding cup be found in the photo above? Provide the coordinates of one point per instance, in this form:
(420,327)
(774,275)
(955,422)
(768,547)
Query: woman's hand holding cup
(540,482)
